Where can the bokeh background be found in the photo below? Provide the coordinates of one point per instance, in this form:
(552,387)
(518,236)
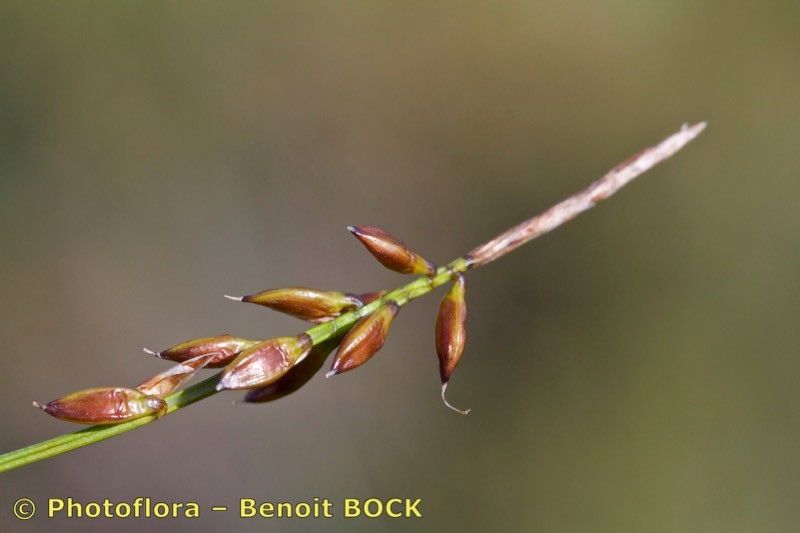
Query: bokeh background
(637,370)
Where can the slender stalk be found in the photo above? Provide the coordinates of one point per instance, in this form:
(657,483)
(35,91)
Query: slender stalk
(490,251)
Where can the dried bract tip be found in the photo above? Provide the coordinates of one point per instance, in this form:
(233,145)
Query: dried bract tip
(392,253)
(104,405)
(234,298)
(444,399)
(364,339)
(451,328)
(166,382)
(226,347)
(265,362)
(148,351)
(304,303)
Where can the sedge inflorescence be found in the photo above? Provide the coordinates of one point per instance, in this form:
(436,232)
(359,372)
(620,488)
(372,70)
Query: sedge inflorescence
(357,324)
(258,365)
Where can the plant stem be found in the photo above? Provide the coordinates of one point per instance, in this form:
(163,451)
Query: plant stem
(491,250)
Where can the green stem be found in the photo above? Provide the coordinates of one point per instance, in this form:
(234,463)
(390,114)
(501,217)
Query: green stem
(204,389)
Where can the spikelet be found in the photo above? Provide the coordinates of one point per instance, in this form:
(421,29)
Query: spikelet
(451,333)
(264,363)
(304,303)
(364,339)
(295,378)
(104,405)
(392,253)
(225,347)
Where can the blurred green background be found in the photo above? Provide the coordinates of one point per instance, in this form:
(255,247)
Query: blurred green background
(636,370)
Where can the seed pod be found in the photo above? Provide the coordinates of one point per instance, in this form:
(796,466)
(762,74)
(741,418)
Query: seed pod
(226,347)
(392,253)
(265,362)
(104,405)
(364,340)
(304,303)
(169,380)
(451,333)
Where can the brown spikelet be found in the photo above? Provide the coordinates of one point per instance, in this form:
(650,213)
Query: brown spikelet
(364,339)
(304,303)
(265,362)
(225,347)
(104,405)
(451,332)
(392,253)
(295,378)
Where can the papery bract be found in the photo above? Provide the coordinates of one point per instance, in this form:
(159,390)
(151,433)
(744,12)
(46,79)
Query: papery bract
(169,380)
